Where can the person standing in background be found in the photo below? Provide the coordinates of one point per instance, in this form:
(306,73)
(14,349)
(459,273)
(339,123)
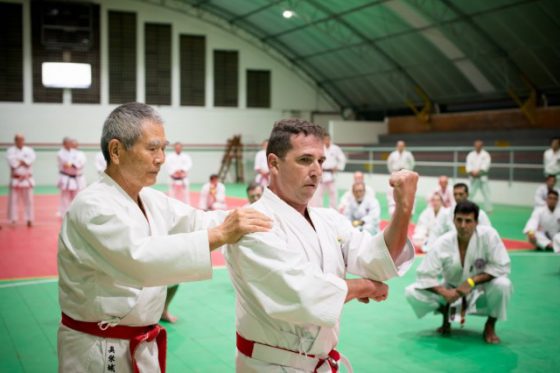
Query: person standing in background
(20,158)
(100,163)
(70,178)
(477,166)
(178,165)
(335,161)
(551,158)
(400,159)
(261,166)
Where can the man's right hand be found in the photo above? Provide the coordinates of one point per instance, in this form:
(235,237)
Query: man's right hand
(238,223)
(365,289)
(450,295)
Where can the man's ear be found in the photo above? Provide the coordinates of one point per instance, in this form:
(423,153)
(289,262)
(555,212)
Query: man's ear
(116,149)
(272,160)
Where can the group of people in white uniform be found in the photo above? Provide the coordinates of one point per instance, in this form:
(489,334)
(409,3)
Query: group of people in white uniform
(122,244)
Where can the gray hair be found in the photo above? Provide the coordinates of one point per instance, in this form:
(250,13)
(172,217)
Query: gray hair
(125,124)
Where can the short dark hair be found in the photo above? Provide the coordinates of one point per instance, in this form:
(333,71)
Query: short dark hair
(550,176)
(467,207)
(280,143)
(462,185)
(213,177)
(552,192)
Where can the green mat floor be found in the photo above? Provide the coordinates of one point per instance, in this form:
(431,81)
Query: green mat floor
(378,337)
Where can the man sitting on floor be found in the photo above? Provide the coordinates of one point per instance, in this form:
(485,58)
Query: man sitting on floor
(474,265)
(544,223)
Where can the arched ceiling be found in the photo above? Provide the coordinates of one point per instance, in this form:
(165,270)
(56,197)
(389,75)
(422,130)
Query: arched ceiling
(377,54)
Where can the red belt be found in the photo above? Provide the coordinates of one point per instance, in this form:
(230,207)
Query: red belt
(246,346)
(135,334)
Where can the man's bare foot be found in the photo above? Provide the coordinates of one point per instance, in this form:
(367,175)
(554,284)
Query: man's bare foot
(444,330)
(490,336)
(166,316)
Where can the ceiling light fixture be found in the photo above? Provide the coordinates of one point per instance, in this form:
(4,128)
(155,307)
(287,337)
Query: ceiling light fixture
(288,14)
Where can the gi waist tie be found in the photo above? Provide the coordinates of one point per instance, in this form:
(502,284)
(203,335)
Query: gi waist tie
(135,335)
(285,357)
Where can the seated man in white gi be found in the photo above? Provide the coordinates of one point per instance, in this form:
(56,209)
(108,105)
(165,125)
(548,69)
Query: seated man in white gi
(120,245)
(348,195)
(364,213)
(212,195)
(466,272)
(541,193)
(291,282)
(445,220)
(445,191)
(254,192)
(427,221)
(544,223)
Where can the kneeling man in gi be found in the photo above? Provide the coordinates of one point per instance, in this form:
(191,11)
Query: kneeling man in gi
(474,265)
(291,281)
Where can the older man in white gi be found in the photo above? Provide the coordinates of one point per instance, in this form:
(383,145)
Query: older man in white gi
(363,212)
(477,166)
(445,192)
(121,244)
(20,159)
(348,196)
(445,221)
(335,161)
(551,158)
(466,272)
(427,221)
(178,165)
(291,282)
(541,193)
(71,180)
(544,223)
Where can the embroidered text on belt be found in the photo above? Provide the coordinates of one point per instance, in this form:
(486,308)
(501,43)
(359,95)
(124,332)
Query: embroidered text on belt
(285,357)
(135,334)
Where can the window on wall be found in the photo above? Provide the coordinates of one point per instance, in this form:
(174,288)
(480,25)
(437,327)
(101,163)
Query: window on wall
(226,79)
(122,57)
(258,88)
(193,70)
(11,52)
(157,47)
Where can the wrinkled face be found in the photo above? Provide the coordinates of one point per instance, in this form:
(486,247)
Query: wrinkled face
(551,201)
(465,225)
(296,176)
(400,146)
(443,182)
(178,148)
(359,191)
(254,194)
(141,163)
(19,141)
(460,194)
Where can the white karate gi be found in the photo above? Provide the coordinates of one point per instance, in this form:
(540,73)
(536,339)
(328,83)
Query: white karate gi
(290,281)
(21,182)
(444,223)
(179,187)
(70,179)
(485,254)
(114,265)
(261,164)
(335,161)
(541,194)
(545,224)
(479,161)
(400,161)
(348,196)
(100,163)
(217,201)
(367,211)
(446,196)
(551,162)
(556,243)
(426,223)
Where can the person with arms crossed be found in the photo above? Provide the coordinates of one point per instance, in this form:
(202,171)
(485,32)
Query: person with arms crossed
(291,281)
(473,264)
(20,160)
(121,243)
